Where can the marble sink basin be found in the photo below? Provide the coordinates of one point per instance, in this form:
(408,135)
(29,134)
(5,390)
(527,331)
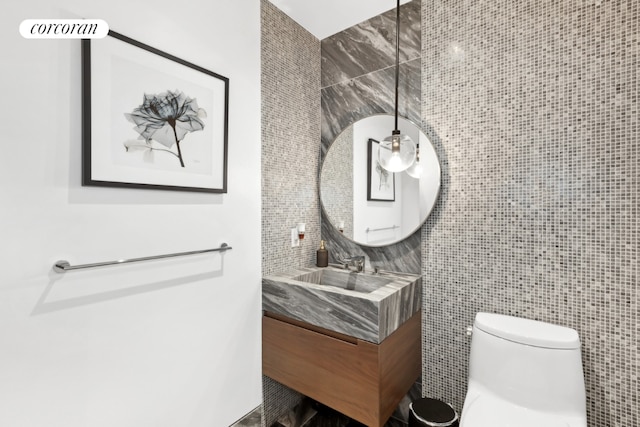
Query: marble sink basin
(362,305)
(357,282)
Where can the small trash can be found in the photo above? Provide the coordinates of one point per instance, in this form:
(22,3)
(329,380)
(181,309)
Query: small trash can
(427,412)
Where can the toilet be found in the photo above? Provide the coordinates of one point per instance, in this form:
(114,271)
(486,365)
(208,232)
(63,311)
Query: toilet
(523,373)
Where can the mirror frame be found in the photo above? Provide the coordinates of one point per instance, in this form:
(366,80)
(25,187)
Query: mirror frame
(326,215)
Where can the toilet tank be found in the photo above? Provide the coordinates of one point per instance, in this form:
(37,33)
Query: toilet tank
(529,363)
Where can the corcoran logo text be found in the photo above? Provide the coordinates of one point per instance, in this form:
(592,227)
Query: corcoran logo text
(64,28)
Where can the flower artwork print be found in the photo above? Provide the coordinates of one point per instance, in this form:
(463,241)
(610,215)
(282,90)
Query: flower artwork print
(383,177)
(151,120)
(164,120)
(380,182)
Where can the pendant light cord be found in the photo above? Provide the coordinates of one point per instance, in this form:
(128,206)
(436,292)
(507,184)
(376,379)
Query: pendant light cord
(397,56)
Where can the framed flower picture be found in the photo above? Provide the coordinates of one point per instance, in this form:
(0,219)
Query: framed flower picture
(381,184)
(151,120)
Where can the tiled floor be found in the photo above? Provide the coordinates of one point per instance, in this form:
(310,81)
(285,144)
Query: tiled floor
(310,413)
(252,419)
(313,414)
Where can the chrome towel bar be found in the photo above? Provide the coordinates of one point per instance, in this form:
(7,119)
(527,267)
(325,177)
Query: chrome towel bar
(62,265)
(368,230)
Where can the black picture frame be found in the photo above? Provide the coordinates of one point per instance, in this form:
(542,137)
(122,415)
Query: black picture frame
(149,96)
(378,188)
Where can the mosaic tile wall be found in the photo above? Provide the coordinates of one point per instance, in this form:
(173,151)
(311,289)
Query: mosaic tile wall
(290,129)
(358,79)
(534,109)
(336,176)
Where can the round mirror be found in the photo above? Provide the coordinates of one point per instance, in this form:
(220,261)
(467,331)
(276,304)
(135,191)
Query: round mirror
(369,205)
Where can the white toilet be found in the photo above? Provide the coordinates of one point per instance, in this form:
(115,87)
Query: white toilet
(524,373)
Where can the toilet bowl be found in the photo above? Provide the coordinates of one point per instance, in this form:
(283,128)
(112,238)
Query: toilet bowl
(523,373)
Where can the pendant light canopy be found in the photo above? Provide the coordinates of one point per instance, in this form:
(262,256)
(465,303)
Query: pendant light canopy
(397,152)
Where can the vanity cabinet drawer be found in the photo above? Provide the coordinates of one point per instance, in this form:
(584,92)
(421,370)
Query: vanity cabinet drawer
(362,380)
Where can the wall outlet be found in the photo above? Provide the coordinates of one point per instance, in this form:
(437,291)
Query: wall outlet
(295,241)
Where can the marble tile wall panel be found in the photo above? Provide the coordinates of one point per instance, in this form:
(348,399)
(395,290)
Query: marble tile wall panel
(290,144)
(345,103)
(403,256)
(371,45)
(336,178)
(362,95)
(536,107)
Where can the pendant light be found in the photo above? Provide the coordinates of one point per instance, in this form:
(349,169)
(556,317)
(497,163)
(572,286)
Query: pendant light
(397,152)
(415,170)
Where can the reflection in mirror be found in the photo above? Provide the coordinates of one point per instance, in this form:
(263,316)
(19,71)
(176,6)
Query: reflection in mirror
(350,176)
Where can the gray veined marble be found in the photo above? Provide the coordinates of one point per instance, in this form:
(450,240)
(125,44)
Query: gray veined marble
(371,45)
(369,90)
(403,256)
(370,316)
(252,419)
(345,103)
(352,281)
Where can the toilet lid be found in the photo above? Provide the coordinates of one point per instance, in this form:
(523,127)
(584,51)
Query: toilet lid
(493,413)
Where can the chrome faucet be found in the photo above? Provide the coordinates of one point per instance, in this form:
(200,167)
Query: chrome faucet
(357,262)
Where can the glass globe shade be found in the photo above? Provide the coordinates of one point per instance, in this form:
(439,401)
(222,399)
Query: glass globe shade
(397,152)
(415,170)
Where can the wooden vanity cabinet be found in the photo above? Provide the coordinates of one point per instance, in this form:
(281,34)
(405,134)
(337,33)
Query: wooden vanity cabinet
(362,380)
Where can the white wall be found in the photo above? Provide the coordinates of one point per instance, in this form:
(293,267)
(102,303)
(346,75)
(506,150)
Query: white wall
(372,214)
(163,343)
(405,210)
(412,214)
